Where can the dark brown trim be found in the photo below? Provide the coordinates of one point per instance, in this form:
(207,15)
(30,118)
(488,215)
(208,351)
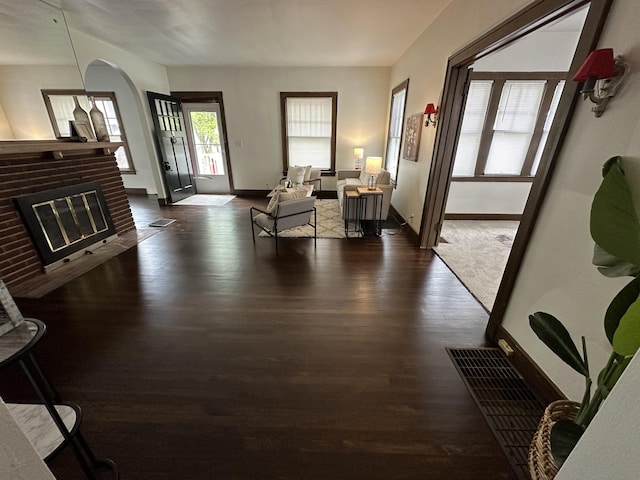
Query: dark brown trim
(482,216)
(530,371)
(557,76)
(543,111)
(493,179)
(76,92)
(402,86)
(212,97)
(591,31)
(486,137)
(334,125)
(447,130)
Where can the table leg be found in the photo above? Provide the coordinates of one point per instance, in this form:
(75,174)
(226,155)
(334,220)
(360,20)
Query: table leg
(48,395)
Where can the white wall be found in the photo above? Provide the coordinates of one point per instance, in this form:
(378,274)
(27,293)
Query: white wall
(22,101)
(609,447)
(100,78)
(424,63)
(488,197)
(142,75)
(252,110)
(557,275)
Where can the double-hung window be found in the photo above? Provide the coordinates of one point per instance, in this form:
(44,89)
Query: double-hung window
(60,105)
(309,129)
(506,123)
(396,123)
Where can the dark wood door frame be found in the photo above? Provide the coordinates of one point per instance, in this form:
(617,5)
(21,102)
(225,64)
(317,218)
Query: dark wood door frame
(522,23)
(212,97)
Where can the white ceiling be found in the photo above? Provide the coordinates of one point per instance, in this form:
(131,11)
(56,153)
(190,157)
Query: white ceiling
(225,32)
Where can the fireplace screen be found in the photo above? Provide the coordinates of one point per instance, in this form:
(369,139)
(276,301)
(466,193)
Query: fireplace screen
(65,220)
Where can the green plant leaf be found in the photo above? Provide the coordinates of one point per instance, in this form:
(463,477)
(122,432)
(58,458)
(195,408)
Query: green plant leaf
(614,220)
(555,336)
(564,436)
(626,339)
(619,306)
(610,266)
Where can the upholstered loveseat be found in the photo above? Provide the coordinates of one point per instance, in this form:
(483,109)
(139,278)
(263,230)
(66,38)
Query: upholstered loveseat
(352,179)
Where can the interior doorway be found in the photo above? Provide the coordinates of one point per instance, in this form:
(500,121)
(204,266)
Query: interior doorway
(511,101)
(528,20)
(207,144)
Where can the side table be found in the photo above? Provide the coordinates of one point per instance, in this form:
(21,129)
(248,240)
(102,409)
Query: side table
(352,212)
(376,212)
(53,424)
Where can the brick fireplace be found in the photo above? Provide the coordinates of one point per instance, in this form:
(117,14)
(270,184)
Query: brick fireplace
(34,167)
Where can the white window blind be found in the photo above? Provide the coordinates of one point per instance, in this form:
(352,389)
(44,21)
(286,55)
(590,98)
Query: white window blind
(547,125)
(395,132)
(475,112)
(514,125)
(309,123)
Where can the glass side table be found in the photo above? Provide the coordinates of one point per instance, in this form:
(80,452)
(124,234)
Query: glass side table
(53,424)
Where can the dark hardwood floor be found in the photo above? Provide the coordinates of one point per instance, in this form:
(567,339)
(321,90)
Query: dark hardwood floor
(196,355)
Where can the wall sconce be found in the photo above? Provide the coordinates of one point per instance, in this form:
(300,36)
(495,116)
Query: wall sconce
(429,110)
(358,155)
(602,76)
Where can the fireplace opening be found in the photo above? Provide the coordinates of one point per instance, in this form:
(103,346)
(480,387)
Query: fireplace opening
(66,220)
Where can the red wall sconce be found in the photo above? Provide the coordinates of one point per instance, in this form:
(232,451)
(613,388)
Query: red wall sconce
(430,110)
(602,75)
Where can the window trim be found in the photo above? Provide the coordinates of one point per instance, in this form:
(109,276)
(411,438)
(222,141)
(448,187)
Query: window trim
(499,79)
(111,96)
(398,88)
(334,123)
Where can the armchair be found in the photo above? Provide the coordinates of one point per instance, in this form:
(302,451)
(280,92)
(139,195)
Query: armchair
(287,214)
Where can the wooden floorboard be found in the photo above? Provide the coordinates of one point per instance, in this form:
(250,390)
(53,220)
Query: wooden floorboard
(197,355)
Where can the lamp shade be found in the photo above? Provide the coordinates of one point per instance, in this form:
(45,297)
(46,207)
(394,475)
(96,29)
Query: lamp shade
(599,64)
(430,109)
(373,165)
(358,153)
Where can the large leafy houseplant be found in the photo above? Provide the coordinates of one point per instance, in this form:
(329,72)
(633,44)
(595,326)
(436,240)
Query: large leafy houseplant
(615,229)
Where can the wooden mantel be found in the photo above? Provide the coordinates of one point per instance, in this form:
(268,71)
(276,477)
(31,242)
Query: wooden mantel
(57,148)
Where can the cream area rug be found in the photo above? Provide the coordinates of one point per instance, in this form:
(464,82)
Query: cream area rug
(477,252)
(206,200)
(330,224)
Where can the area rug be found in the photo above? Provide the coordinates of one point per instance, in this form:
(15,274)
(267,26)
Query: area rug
(477,251)
(330,224)
(206,200)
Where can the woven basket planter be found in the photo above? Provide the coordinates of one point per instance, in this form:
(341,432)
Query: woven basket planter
(542,466)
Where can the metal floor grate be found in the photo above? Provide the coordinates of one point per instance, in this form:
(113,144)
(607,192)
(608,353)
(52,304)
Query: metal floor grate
(509,406)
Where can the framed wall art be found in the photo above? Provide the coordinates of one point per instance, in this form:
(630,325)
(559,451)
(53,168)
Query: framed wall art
(412,137)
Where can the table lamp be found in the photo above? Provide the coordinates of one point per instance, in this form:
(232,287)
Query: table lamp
(372,166)
(358,153)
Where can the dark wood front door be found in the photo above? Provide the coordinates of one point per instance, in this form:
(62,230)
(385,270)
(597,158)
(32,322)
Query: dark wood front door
(175,163)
